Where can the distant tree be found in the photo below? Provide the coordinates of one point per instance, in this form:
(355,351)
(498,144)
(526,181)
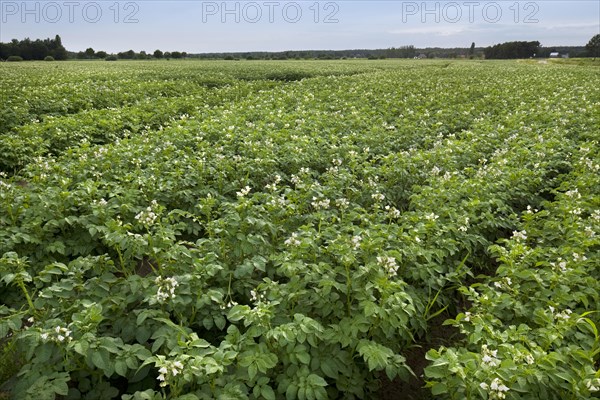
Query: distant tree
(167,55)
(127,55)
(101,54)
(158,54)
(593,46)
(59,52)
(472,50)
(511,50)
(12,48)
(408,51)
(184,54)
(142,55)
(176,54)
(24,49)
(89,52)
(39,50)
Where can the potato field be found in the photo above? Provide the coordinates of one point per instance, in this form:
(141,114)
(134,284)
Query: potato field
(299,230)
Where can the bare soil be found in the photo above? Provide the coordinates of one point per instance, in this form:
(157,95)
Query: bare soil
(414,389)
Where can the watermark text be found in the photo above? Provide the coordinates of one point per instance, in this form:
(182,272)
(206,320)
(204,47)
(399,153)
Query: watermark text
(270,11)
(470,11)
(69,11)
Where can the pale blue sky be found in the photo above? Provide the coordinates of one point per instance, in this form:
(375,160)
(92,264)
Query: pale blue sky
(276,25)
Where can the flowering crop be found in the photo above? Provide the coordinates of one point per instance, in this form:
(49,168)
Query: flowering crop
(203,230)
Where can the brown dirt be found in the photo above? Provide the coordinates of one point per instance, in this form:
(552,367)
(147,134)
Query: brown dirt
(438,335)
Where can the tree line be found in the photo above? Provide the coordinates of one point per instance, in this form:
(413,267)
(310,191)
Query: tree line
(408,51)
(90,53)
(53,49)
(511,50)
(38,49)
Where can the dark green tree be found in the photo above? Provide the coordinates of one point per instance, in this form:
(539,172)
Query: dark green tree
(37,49)
(4,51)
(593,46)
(59,52)
(158,54)
(511,50)
(127,55)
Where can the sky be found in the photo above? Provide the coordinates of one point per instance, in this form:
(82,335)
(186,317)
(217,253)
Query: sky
(279,25)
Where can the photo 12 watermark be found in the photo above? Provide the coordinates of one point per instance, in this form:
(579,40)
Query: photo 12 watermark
(470,12)
(270,12)
(53,12)
(410,11)
(253,12)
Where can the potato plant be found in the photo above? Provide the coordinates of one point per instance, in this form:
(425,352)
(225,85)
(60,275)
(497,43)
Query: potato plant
(290,230)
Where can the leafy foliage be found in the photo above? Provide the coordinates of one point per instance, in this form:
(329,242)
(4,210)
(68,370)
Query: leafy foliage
(289,230)
(593,46)
(509,50)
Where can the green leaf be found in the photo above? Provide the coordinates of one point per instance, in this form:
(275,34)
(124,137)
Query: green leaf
(303,357)
(43,352)
(131,362)
(438,389)
(252,370)
(15,322)
(101,359)
(59,385)
(316,380)
(141,352)
(8,278)
(121,368)
(267,392)
(321,394)
(142,334)
(266,362)
(112,345)
(158,343)
(3,328)
(220,321)
(374,354)
(291,392)
(208,322)
(237,312)
(370,308)
(81,347)
(329,368)
(436,372)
